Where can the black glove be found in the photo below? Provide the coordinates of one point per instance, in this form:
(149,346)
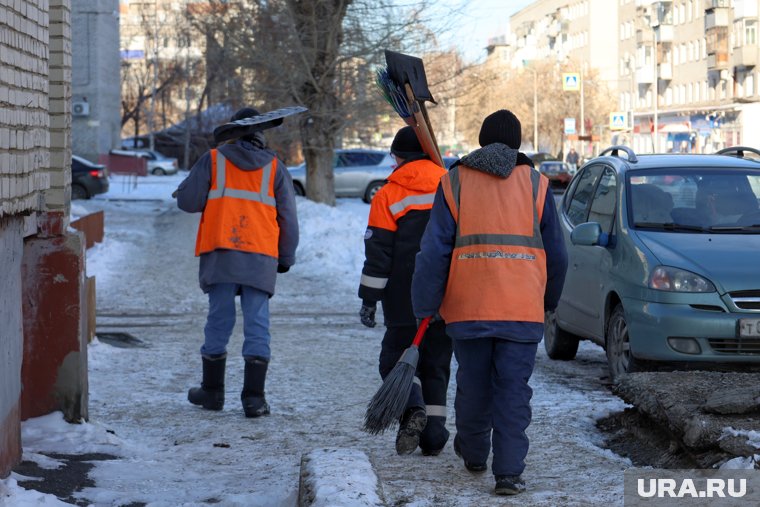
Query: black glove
(367,313)
(282,269)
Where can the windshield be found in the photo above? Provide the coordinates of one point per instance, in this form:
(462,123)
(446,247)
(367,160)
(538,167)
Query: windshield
(695,200)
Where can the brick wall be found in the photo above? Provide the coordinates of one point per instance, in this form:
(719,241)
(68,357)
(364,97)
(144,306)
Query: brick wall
(24,121)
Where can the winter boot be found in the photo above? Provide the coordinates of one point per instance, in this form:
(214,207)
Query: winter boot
(475,468)
(412,424)
(210,395)
(509,485)
(252,396)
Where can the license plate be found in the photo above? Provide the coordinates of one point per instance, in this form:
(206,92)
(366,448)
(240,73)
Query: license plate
(749,328)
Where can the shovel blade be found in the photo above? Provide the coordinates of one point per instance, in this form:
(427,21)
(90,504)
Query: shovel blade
(409,69)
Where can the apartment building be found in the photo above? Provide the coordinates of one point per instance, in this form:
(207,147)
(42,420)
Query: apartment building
(685,71)
(698,58)
(157,42)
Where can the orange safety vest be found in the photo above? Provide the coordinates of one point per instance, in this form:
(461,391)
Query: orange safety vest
(498,265)
(241,211)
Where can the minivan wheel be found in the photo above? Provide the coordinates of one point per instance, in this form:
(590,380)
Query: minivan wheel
(78,192)
(298,189)
(618,348)
(559,344)
(372,189)
(159,172)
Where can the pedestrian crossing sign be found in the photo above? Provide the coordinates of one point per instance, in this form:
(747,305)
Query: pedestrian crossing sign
(618,121)
(571,81)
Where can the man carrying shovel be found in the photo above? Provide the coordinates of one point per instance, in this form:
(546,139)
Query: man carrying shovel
(398,215)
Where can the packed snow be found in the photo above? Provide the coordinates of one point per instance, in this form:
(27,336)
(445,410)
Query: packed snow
(165,452)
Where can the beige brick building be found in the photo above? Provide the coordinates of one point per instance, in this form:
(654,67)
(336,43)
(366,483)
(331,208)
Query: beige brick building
(687,66)
(35,243)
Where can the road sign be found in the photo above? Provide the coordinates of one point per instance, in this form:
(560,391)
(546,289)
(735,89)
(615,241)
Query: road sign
(618,120)
(569,125)
(571,81)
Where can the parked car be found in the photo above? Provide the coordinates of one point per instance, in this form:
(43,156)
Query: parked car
(158,163)
(557,172)
(663,256)
(540,156)
(356,172)
(87,179)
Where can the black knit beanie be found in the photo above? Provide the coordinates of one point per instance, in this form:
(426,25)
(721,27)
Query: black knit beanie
(246,112)
(406,145)
(501,127)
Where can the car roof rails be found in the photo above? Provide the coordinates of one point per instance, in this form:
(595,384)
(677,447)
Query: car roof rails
(613,151)
(737,151)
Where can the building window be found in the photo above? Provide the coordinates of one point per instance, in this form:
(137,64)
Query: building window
(750,32)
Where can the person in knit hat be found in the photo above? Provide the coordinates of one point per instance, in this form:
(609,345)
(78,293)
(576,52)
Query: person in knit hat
(248,233)
(398,215)
(492,261)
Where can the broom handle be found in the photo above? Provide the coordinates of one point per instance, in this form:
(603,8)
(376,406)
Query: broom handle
(421,331)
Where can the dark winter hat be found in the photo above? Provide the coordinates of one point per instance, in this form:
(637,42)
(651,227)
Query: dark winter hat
(501,127)
(406,145)
(246,112)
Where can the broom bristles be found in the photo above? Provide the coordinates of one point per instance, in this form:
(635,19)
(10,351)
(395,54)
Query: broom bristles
(392,92)
(388,404)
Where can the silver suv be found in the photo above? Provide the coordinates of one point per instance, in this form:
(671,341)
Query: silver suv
(356,173)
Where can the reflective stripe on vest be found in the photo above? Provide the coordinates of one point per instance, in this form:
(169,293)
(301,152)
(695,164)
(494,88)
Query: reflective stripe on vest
(412,200)
(498,264)
(241,210)
(222,190)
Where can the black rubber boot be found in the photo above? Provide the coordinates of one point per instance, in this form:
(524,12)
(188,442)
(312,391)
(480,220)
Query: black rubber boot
(252,396)
(210,395)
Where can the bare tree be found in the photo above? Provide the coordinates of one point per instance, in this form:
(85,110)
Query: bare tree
(320,54)
(513,89)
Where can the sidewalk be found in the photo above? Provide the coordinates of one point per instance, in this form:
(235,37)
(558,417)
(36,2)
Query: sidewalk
(323,373)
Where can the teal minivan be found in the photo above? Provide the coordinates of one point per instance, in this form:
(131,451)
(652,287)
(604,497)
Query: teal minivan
(664,260)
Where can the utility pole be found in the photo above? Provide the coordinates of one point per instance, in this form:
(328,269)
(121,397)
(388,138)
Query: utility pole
(151,119)
(583,119)
(535,110)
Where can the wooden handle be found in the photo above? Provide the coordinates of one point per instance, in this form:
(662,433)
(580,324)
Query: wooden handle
(423,129)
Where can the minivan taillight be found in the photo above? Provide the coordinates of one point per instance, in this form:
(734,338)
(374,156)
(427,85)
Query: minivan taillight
(96,173)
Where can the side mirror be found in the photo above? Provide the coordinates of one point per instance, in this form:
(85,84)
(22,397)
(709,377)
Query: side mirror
(588,234)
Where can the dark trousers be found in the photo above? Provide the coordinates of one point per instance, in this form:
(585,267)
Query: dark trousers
(431,379)
(493,401)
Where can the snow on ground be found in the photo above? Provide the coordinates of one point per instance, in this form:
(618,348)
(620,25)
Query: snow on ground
(323,373)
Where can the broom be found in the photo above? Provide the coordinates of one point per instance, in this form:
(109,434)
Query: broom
(411,110)
(389,402)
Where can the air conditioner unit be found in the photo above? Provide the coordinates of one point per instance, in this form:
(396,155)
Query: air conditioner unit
(80,108)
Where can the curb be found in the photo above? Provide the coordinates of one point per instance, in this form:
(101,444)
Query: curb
(338,477)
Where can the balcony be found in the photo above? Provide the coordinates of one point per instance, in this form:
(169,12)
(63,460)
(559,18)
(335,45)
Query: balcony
(643,37)
(664,33)
(717,61)
(665,71)
(716,17)
(746,56)
(645,75)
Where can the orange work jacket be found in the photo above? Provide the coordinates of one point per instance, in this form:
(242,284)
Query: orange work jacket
(498,265)
(241,211)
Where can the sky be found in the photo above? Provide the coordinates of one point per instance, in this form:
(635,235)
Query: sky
(323,372)
(480,20)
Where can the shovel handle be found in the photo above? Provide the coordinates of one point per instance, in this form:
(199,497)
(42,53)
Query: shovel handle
(421,331)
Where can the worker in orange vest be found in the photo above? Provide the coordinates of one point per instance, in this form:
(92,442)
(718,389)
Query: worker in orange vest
(492,261)
(398,215)
(248,233)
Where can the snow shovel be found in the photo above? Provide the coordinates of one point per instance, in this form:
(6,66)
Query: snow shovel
(252,124)
(404,85)
(389,402)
